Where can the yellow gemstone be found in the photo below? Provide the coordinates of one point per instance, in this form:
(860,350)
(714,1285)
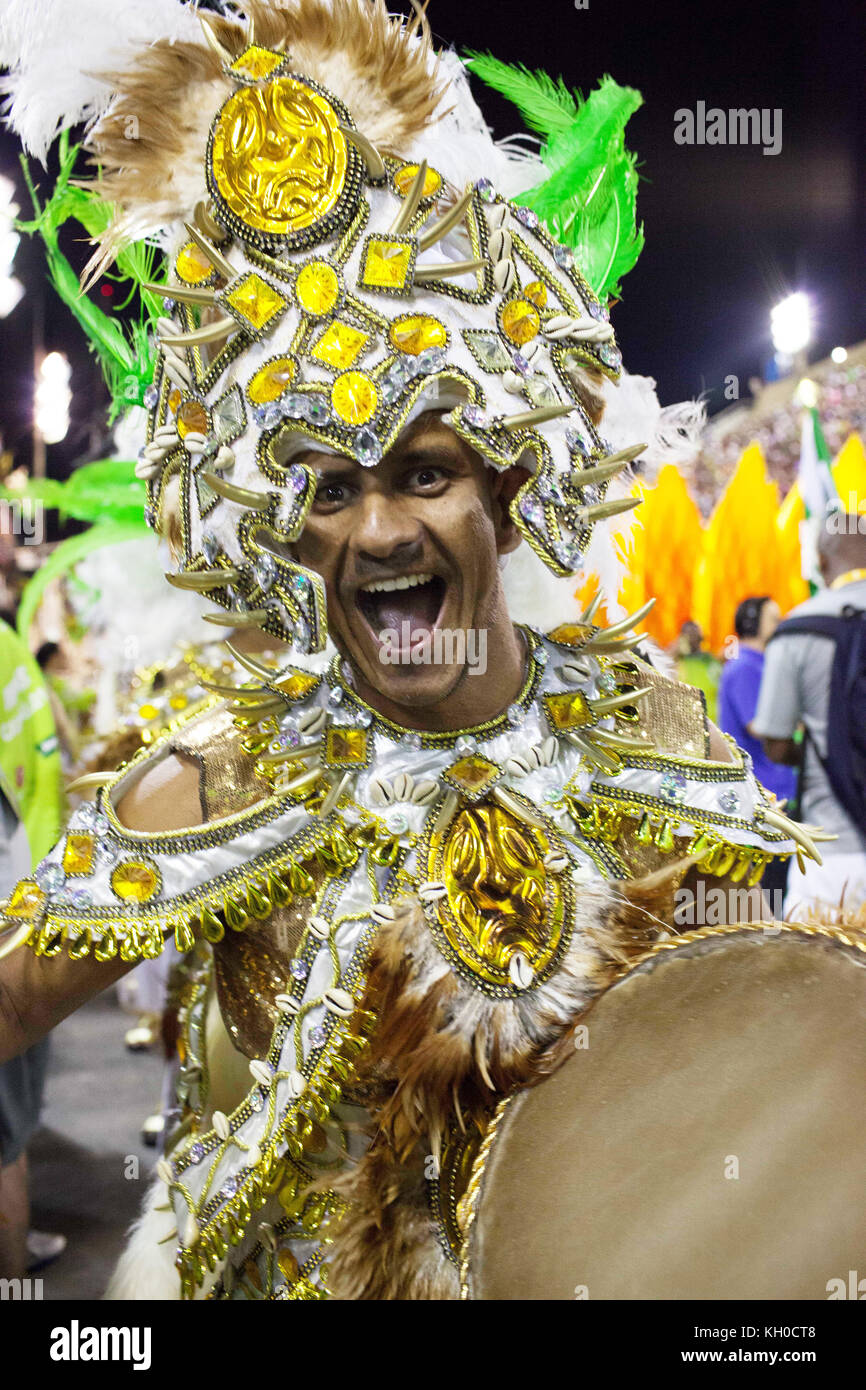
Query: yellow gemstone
(345,746)
(78,854)
(256,301)
(520,321)
(257,62)
(135,881)
(354,397)
(297,685)
(569,710)
(537,293)
(570,634)
(271,380)
(192,265)
(473,773)
(174,401)
(387,263)
(148,711)
(339,345)
(317,287)
(192,418)
(413,333)
(26,901)
(405,177)
(178,701)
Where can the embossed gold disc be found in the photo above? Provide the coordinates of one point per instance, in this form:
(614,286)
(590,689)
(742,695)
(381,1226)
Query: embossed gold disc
(277,159)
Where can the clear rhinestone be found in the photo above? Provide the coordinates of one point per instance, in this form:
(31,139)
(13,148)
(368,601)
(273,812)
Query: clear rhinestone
(516,714)
(80,897)
(297,478)
(256,1100)
(564,257)
(599,312)
(318,1035)
(521,364)
(576,440)
(229,1187)
(410,740)
(271,416)
(398,822)
(569,554)
(485,190)
(540,656)
(299,970)
(475,417)
(431,359)
(294,405)
(196,1153)
(266,572)
(553,794)
(210,549)
(490,352)
(606,683)
(363,718)
(673,787)
(228,416)
(466,744)
(368,450)
(611,355)
(729,802)
(532,510)
(390,391)
(50,877)
(106,851)
(335,698)
(318,410)
(151,396)
(526,216)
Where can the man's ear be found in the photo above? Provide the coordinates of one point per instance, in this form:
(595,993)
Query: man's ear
(504,487)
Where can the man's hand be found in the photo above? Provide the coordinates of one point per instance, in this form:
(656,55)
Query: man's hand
(782,750)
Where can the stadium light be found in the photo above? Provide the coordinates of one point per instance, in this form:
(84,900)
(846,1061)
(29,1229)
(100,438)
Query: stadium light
(791,324)
(52,397)
(839,355)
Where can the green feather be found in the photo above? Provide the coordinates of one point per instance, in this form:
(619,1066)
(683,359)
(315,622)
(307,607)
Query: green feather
(589,200)
(126,355)
(106,490)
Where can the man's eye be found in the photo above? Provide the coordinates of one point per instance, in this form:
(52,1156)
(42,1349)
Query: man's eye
(427,478)
(331,494)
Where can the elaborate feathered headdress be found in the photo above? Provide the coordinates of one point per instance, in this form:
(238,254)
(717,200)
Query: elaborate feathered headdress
(343,255)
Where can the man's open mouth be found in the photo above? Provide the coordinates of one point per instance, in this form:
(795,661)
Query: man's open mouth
(413,599)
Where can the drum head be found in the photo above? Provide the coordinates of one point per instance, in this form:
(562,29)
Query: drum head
(708,1141)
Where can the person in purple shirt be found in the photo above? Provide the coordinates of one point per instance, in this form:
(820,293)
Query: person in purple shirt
(755,621)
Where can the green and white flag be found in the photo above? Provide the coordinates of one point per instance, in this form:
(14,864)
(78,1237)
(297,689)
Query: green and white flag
(818,491)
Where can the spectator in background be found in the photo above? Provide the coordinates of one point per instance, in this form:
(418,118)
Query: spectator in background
(698,667)
(755,621)
(795,690)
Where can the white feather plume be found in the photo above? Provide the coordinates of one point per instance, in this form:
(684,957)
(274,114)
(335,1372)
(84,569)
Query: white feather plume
(56,52)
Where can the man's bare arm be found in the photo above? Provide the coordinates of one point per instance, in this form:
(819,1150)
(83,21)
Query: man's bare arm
(38,992)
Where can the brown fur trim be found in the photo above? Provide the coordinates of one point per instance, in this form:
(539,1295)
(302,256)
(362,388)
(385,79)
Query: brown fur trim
(150,145)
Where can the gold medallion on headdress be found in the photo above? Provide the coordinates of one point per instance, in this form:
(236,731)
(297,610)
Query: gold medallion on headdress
(279,168)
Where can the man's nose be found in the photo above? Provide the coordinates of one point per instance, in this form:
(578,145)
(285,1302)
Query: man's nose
(384,528)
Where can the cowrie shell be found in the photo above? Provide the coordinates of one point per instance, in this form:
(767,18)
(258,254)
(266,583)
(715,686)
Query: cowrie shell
(431,892)
(338,1001)
(575,671)
(194,443)
(190,1231)
(499,244)
(513,383)
(286,1004)
(253,1156)
(425,792)
(381,791)
(557,863)
(558,327)
(148,467)
(496,215)
(403,785)
(320,927)
(520,971)
(549,750)
(503,276)
(296,1084)
(517,767)
(312,721)
(225,457)
(260,1072)
(221,1124)
(382,913)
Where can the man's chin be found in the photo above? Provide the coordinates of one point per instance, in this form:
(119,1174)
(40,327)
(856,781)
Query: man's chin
(421,686)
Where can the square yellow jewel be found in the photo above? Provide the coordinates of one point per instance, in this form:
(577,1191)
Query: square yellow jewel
(473,775)
(78,854)
(570,634)
(26,901)
(570,710)
(339,345)
(297,685)
(388,264)
(345,747)
(255,303)
(257,62)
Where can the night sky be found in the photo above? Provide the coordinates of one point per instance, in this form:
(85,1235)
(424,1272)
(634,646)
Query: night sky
(729,230)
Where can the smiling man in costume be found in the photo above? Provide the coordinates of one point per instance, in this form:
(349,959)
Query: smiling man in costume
(378,375)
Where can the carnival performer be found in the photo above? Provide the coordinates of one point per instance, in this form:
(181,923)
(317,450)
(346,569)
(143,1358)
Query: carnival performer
(380,376)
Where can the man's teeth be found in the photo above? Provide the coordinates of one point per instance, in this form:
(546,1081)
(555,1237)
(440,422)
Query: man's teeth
(387,586)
